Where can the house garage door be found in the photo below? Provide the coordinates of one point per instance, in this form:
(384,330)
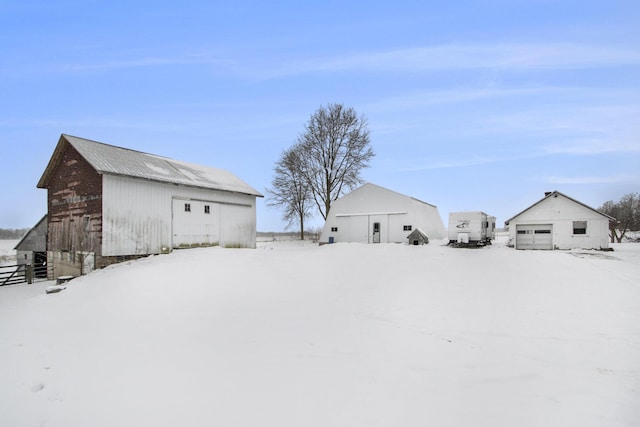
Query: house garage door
(534,236)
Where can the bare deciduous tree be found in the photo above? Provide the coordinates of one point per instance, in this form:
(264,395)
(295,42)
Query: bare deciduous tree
(627,215)
(290,191)
(334,148)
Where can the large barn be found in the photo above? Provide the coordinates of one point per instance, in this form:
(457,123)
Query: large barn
(107,204)
(373,214)
(559,222)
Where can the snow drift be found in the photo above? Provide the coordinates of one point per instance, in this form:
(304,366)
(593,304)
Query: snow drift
(293,334)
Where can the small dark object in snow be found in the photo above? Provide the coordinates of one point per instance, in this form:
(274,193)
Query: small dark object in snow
(54,289)
(63,279)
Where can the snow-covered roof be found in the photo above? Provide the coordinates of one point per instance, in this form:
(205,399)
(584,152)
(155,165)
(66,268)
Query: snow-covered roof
(109,159)
(417,232)
(557,193)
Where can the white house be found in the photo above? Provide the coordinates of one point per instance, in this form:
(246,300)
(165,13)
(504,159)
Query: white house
(559,222)
(107,204)
(373,214)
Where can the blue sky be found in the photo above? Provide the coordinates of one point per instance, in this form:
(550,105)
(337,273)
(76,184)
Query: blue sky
(472,105)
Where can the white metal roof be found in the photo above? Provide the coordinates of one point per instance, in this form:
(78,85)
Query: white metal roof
(109,159)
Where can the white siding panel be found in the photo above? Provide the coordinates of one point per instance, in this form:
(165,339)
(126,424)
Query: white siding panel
(239,226)
(358,229)
(137,215)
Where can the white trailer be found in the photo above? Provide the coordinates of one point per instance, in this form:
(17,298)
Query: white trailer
(471,228)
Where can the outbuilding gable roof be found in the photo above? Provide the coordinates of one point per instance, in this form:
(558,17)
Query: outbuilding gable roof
(418,233)
(109,159)
(380,188)
(555,194)
(31,231)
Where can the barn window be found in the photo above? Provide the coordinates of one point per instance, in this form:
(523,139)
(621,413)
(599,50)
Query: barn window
(206,209)
(406,228)
(187,207)
(334,229)
(579,227)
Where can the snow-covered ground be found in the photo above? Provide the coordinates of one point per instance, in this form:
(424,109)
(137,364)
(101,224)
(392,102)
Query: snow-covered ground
(292,334)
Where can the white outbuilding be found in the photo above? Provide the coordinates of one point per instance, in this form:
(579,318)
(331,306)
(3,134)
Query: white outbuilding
(373,214)
(559,222)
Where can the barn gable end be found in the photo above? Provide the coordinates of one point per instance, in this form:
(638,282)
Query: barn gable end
(74,204)
(108,204)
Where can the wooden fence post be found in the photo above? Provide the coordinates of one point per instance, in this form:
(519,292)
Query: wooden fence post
(29,274)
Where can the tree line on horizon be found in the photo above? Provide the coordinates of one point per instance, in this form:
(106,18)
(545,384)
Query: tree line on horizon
(12,233)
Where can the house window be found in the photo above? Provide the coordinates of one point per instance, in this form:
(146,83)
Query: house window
(206,209)
(406,227)
(187,207)
(579,227)
(334,229)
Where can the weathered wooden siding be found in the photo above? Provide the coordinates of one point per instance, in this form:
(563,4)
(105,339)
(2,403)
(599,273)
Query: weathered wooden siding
(143,217)
(74,199)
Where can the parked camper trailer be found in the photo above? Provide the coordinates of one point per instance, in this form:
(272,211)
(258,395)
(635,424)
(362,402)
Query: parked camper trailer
(471,228)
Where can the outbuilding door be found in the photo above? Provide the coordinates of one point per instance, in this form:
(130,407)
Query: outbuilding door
(195,223)
(534,236)
(376,232)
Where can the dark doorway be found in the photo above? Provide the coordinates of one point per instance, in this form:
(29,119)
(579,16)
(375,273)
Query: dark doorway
(376,232)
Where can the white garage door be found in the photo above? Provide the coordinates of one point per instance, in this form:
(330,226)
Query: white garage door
(534,236)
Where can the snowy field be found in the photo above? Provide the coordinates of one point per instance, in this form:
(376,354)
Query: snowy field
(292,334)
(7,253)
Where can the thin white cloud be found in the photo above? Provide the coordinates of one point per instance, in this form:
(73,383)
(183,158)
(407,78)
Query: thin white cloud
(608,121)
(141,62)
(461,162)
(587,180)
(419,99)
(523,56)
(593,147)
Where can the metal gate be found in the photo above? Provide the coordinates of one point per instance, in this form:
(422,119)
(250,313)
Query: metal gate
(21,273)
